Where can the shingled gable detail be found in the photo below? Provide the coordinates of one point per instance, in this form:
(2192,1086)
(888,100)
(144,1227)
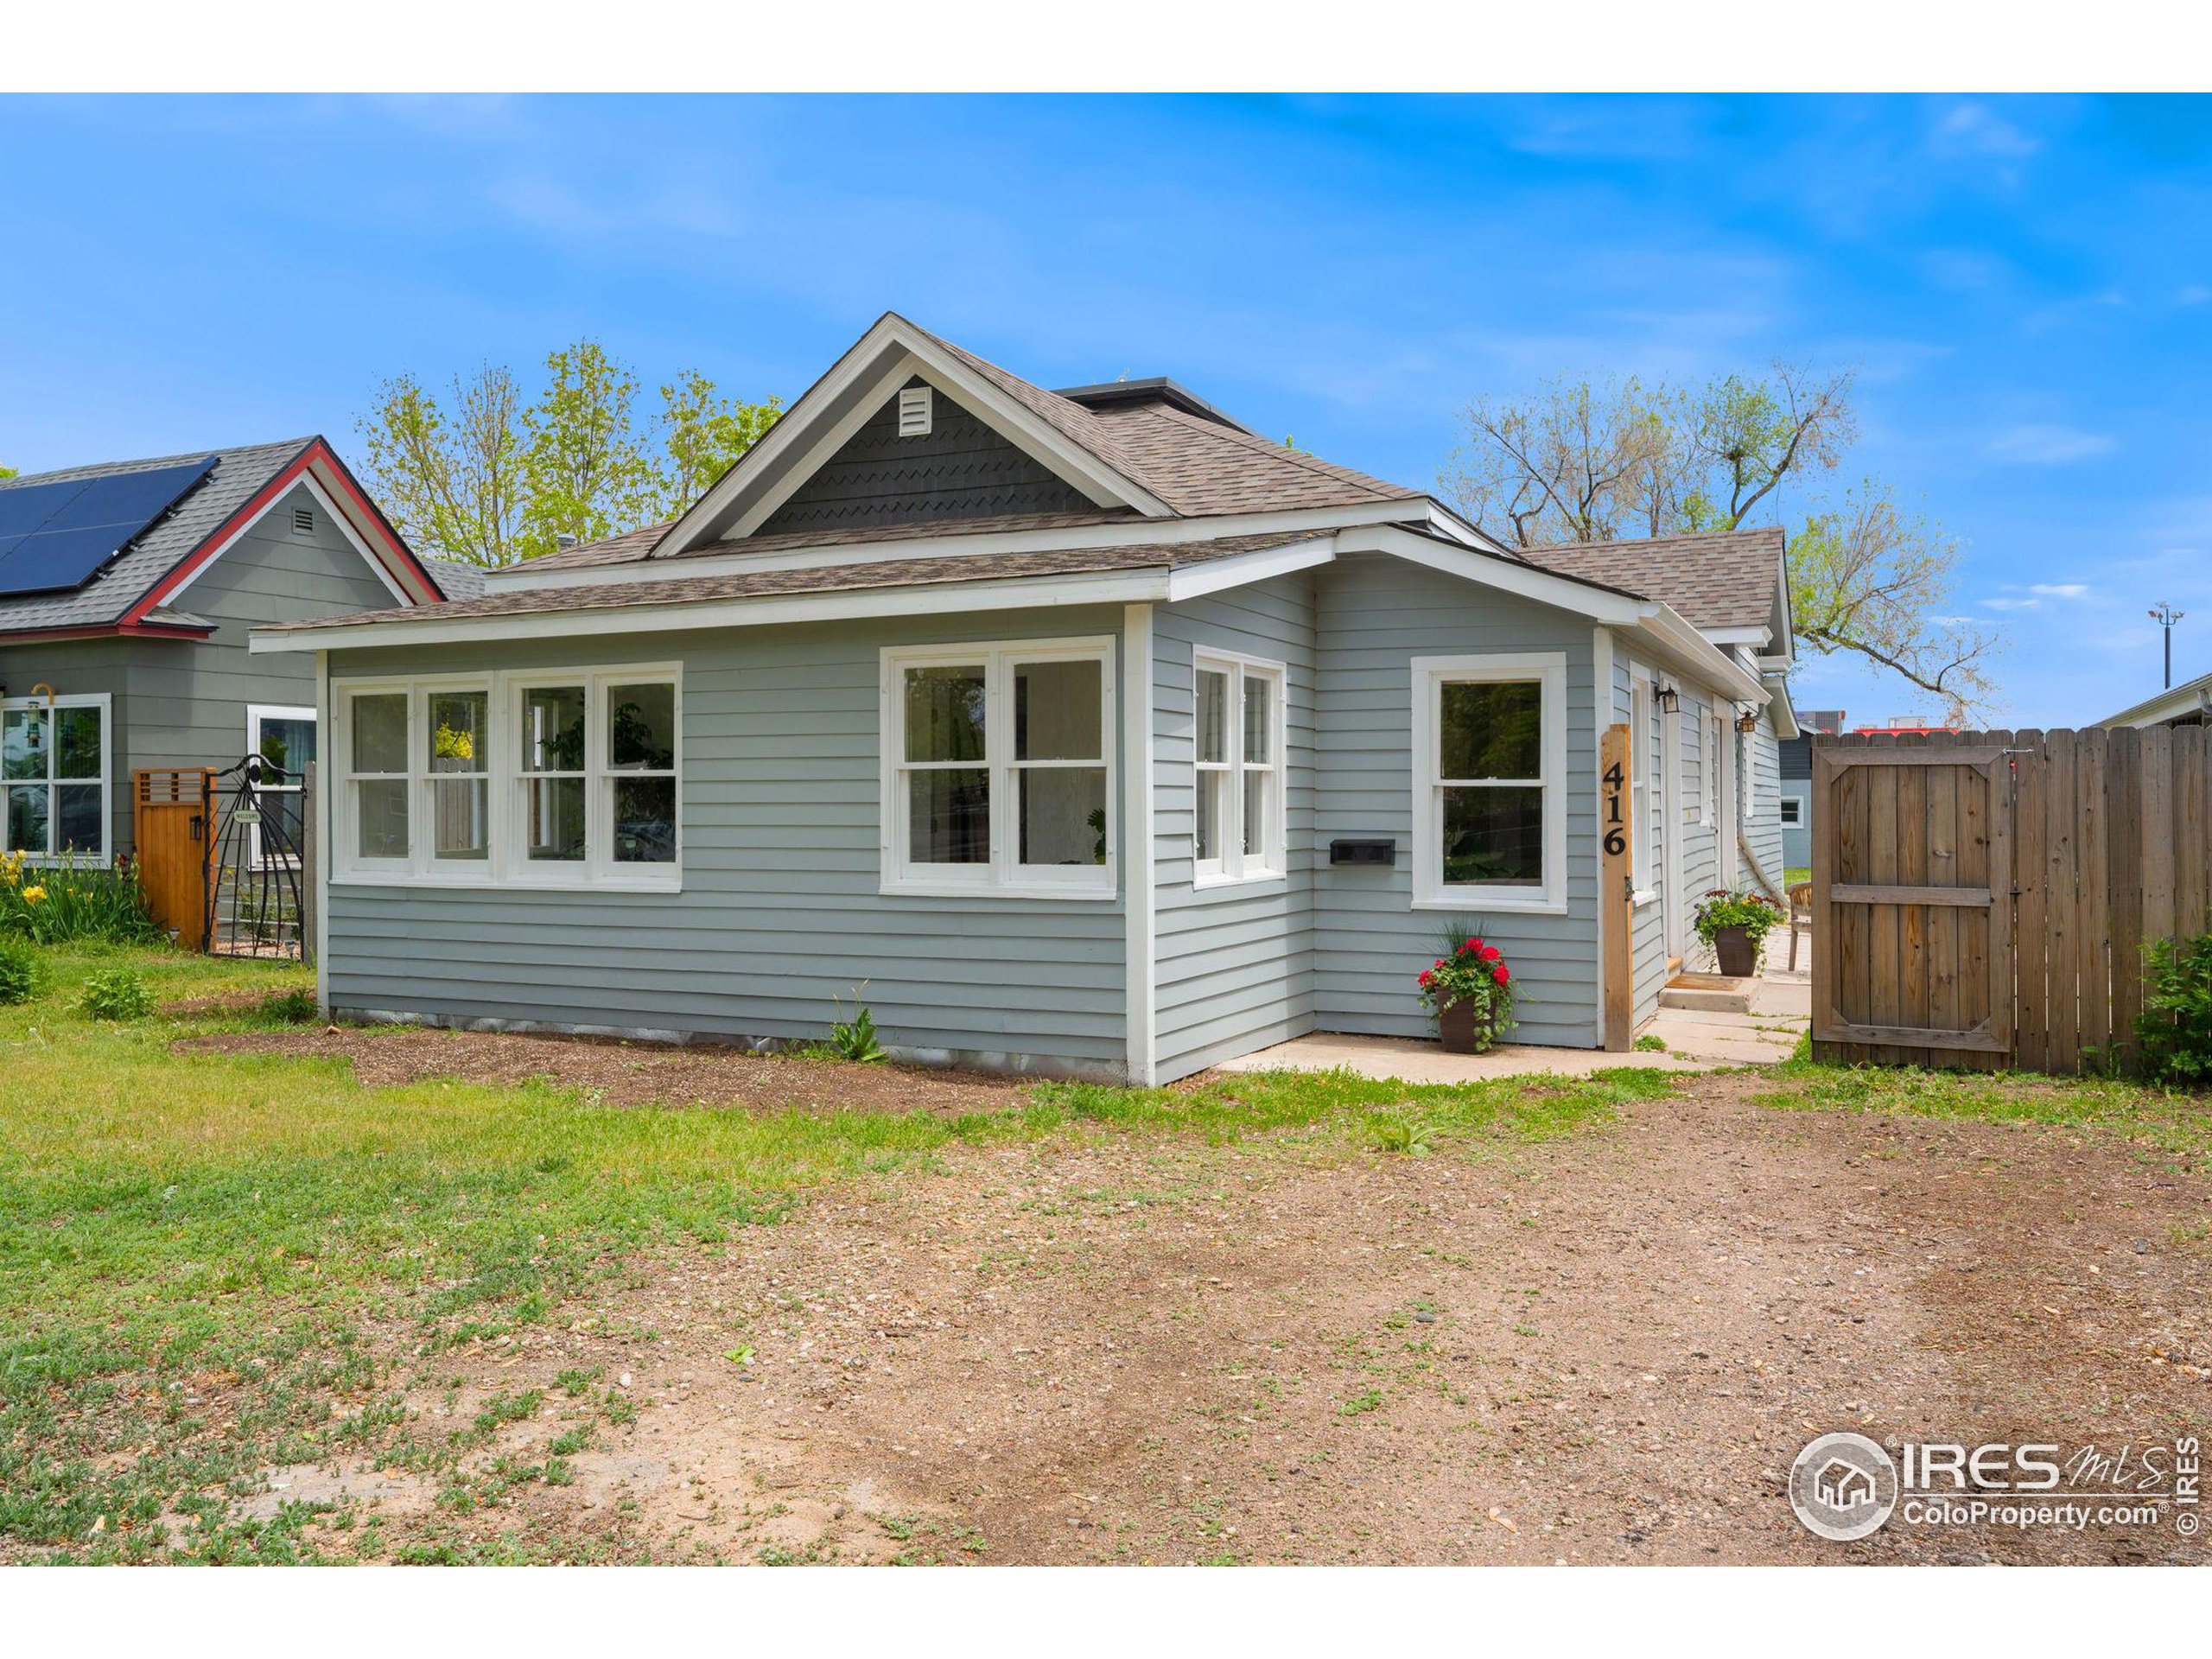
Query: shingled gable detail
(963,468)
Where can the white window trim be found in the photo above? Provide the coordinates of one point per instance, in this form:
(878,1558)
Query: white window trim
(1547,670)
(1235,866)
(1001,877)
(1712,740)
(1793,811)
(255,714)
(1643,815)
(505,867)
(105,701)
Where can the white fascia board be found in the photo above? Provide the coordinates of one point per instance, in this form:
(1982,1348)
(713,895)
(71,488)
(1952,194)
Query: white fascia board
(1781,710)
(2186,698)
(1507,575)
(1171,532)
(1030,593)
(800,426)
(1682,647)
(1195,581)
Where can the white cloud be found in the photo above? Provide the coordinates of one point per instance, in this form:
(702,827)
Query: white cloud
(1973,129)
(2039,444)
(2192,294)
(2061,589)
(2005,604)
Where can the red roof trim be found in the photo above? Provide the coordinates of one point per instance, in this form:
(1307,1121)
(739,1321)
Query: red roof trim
(109,631)
(404,561)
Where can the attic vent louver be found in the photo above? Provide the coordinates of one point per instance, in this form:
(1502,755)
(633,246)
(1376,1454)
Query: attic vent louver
(302,521)
(914,412)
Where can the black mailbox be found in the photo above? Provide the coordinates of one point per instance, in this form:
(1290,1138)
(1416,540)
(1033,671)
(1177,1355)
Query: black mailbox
(1364,852)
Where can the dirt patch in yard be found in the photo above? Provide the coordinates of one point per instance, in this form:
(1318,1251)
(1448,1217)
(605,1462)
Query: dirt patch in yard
(1608,1347)
(626,1073)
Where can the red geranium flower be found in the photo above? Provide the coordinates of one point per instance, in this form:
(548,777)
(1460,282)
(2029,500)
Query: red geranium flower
(1475,945)
(1499,974)
(1427,978)
(1490,953)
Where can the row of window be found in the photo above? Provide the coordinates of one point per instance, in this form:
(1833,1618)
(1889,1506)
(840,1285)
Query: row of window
(568,779)
(998,774)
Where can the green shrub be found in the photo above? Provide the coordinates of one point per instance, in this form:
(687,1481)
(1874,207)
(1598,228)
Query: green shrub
(2175,1027)
(58,904)
(19,970)
(854,1038)
(116,994)
(292,1007)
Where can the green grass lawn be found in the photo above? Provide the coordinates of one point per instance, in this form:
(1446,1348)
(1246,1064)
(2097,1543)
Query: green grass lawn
(211,1263)
(2177,1127)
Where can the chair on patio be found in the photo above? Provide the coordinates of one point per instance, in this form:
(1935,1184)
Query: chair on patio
(1800,895)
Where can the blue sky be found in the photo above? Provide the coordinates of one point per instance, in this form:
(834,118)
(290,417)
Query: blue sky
(2023,285)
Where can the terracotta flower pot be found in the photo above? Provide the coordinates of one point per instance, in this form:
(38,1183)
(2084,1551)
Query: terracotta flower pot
(1466,1028)
(1739,957)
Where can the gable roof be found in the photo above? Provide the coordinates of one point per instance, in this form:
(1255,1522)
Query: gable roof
(129,595)
(1730,579)
(1149,449)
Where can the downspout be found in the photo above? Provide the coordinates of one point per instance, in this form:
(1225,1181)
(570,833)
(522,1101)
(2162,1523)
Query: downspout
(1774,891)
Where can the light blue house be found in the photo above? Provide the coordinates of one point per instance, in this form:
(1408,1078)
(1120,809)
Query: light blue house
(1094,734)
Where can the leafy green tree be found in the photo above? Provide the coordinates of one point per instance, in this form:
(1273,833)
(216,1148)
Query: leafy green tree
(490,476)
(702,435)
(451,484)
(1585,463)
(585,470)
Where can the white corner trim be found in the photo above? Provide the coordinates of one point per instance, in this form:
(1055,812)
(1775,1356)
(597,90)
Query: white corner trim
(320,805)
(1547,670)
(1602,719)
(1139,853)
(329,509)
(1196,581)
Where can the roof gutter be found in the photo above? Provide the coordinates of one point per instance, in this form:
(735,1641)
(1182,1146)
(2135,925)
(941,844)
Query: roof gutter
(1146,586)
(1683,647)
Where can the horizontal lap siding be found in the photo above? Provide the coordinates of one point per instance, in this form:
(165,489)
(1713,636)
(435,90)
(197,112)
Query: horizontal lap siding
(779,914)
(1764,830)
(1375,617)
(1233,965)
(202,690)
(1701,835)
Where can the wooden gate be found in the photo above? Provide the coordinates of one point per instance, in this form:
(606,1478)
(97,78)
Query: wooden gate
(1912,902)
(172,818)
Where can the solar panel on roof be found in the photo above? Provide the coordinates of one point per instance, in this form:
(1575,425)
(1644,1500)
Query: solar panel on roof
(57,536)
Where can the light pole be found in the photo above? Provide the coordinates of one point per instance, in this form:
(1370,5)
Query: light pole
(2166,616)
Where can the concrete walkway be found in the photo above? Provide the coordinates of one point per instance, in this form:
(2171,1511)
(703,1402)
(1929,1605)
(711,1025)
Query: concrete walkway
(1780,1014)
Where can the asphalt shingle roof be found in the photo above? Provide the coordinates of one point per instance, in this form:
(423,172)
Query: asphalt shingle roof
(1198,467)
(1725,580)
(827,579)
(239,475)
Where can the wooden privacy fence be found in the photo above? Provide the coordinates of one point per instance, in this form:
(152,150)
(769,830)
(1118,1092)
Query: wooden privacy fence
(1983,898)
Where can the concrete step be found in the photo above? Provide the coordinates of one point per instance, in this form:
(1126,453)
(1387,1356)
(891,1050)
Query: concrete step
(1708,994)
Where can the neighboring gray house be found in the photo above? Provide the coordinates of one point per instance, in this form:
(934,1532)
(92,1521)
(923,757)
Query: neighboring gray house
(1090,732)
(1797,786)
(126,593)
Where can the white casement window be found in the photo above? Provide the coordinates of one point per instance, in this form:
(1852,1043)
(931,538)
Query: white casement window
(1490,769)
(561,778)
(284,737)
(1238,770)
(998,769)
(53,773)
